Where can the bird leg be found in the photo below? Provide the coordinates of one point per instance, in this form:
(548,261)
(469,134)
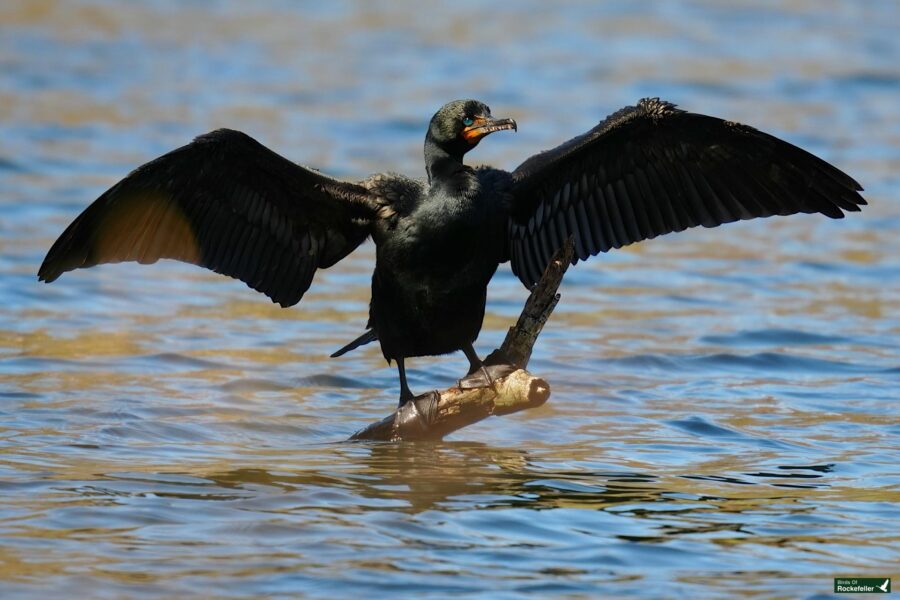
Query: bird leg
(474,362)
(482,375)
(405,394)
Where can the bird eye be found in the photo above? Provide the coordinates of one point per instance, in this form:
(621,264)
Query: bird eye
(468,121)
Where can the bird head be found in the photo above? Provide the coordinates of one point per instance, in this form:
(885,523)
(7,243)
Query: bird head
(459,125)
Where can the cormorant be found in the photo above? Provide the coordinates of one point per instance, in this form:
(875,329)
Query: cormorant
(230,204)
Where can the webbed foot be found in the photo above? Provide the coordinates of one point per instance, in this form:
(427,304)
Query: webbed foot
(485,376)
(420,411)
(405,396)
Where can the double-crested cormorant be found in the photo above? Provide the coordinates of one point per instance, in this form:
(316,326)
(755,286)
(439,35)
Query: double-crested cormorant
(230,204)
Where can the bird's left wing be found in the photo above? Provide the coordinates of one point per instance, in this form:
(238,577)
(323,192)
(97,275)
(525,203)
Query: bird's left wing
(652,169)
(227,203)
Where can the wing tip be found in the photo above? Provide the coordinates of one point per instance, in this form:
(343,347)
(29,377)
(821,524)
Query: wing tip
(51,269)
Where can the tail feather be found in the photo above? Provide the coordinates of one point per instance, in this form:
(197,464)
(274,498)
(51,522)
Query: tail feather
(366,338)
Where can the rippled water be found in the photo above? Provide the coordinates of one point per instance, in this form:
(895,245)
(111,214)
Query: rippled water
(723,418)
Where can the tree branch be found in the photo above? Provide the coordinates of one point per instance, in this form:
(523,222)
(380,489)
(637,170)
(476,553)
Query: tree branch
(433,415)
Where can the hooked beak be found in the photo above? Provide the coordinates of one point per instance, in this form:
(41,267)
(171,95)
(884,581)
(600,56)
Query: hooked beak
(485,125)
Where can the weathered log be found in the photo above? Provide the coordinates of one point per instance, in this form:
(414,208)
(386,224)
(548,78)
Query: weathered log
(433,415)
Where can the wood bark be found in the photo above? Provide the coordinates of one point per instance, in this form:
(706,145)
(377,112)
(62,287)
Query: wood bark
(433,415)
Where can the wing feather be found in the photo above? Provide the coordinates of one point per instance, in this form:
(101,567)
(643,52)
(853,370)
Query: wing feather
(652,169)
(227,203)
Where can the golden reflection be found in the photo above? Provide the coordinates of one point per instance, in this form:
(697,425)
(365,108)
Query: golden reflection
(83,344)
(14,568)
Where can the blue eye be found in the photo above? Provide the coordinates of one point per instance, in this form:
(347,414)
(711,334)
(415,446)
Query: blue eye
(468,121)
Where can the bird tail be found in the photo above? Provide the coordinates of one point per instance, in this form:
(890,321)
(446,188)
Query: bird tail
(368,337)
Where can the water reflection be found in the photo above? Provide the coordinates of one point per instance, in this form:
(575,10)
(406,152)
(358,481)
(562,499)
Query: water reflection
(448,476)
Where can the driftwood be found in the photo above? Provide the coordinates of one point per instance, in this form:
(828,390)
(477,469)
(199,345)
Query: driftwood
(433,415)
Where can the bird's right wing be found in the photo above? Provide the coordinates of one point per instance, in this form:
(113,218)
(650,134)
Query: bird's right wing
(227,203)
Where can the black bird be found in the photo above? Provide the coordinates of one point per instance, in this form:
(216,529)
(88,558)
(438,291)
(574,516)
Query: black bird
(230,204)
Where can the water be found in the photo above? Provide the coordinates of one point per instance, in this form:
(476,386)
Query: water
(723,418)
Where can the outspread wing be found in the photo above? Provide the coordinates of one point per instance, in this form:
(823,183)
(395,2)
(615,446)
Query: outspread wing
(227,203)
(652,169)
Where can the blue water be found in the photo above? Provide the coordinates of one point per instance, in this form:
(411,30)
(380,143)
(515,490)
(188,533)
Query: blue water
(723,418)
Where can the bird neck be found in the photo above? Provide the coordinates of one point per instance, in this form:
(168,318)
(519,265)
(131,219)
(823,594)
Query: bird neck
(442,165)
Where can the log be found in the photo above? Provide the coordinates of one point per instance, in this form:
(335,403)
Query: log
(433,415)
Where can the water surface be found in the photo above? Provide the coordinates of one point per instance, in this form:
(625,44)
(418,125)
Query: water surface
(723,417)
